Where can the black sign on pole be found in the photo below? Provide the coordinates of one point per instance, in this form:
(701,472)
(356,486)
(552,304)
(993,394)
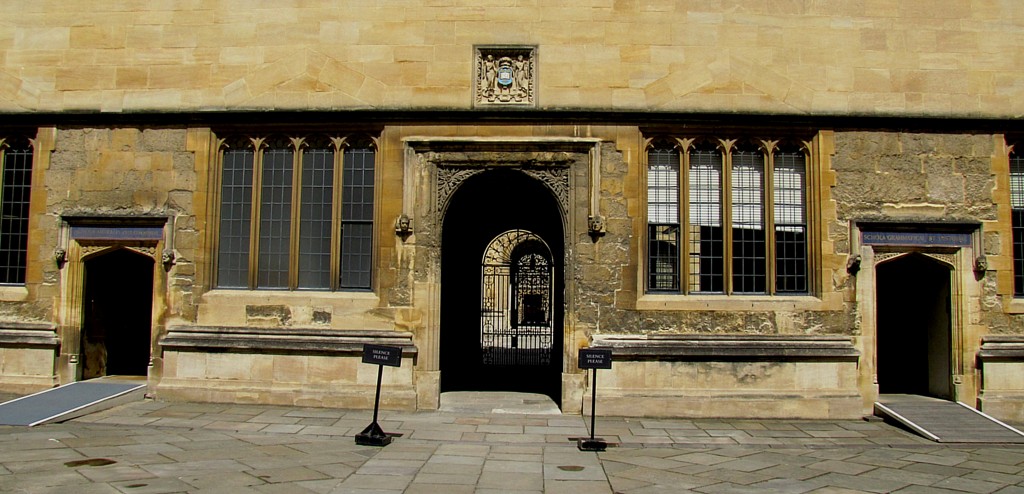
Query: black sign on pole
(381,355)
(390,356)
(593,359)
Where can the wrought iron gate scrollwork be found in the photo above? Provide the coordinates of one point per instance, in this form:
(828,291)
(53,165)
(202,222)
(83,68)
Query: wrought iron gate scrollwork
(516,304)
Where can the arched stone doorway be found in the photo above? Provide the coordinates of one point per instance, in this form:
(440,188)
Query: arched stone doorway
(117,313)
(914,322)
(491,341)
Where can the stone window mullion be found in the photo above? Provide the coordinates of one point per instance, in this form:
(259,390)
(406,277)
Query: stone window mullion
(293,246)
(769,215)
(684,215)
(257,196)
(727,146)
(340,144)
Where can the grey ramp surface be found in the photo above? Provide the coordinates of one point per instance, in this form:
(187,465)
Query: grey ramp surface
(60,401)
(945,421)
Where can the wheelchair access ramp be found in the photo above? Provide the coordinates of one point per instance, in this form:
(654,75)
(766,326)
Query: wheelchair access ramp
(71,400)
(945,421)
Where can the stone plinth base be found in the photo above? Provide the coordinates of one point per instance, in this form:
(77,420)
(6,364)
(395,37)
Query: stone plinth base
(729,376)
(28,352)
(284,366)
(1002,371)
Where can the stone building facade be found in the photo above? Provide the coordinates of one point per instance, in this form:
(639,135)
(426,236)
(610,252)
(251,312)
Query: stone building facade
(763,208)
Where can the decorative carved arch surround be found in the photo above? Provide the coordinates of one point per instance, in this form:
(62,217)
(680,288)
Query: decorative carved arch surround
(435,167)
(83,238)
(964,342)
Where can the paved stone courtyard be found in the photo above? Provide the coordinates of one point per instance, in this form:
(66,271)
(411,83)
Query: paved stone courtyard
(158,447)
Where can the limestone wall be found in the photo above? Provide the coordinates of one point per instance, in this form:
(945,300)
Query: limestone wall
(918,57)
(933,177)
(127,171)
(876,175)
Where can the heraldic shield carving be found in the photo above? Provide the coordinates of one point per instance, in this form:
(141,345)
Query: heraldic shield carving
(505,75)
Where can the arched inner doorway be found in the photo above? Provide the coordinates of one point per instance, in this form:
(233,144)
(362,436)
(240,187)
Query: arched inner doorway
(914,327)
(502,270)
(117,314)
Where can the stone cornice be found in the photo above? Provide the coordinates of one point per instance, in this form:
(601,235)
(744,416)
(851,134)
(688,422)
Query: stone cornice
(1001,347)
(29,334)
(684,347)
(285,340)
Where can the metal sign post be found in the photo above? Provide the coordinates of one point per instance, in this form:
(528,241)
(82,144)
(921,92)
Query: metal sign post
(381,355)
(593,359)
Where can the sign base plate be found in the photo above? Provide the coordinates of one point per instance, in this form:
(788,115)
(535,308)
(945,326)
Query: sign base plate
(372,435)
(587,444)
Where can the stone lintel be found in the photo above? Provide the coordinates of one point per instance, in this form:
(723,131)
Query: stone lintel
(290,340)
(1001,348)
(28,334)
(688,347)
(517,144)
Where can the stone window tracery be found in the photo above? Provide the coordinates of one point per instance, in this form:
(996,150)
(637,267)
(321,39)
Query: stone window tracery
(727,216)
(296,212)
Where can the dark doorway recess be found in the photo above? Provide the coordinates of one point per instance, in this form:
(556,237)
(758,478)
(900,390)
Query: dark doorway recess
(489,208)
(118,305)
(914,327)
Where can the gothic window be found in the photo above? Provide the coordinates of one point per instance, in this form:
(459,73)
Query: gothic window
(296,213)
(727,216)
(1017,213)
(16,159)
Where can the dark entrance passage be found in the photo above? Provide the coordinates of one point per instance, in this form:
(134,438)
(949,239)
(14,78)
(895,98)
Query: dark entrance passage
(914,327)
(501,287)
(118,305)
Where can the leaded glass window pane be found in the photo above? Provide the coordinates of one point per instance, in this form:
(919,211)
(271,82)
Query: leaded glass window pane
(748,237)
(235,218)
(357,218)
(663,219)
(663,186)
(789,185)
(17,185)
(663,257)
(315,218)
(706,245)
(275,218)
(1017,218)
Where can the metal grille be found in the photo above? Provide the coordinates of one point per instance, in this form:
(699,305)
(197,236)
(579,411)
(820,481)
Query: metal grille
(663,219)
(748,237)
(516,304)
(315,218)
(789,186)
(357,218)
(17,185)
(1017,204)
(706,245)
(275,218)
(235,219)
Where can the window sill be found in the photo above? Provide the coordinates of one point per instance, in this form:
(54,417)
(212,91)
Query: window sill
(730,302)
(1014,305)
(264,296)
(13,293)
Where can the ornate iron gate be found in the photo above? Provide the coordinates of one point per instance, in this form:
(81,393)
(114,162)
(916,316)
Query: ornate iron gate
(515,309)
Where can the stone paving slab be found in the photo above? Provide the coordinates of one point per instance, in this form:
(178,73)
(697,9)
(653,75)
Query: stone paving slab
(162,447)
